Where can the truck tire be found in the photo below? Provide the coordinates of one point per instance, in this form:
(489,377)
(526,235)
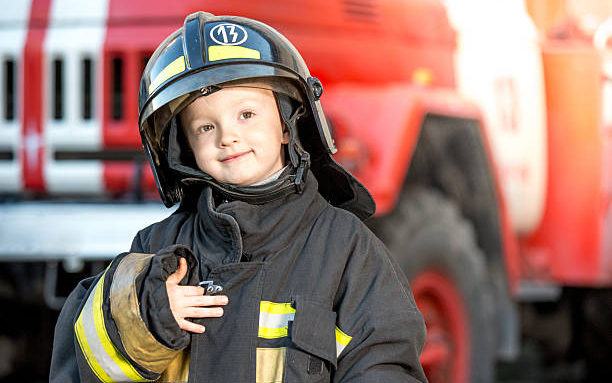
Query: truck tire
(436,249)
(597,338)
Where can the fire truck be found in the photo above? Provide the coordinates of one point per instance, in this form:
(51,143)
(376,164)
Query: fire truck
(482,128)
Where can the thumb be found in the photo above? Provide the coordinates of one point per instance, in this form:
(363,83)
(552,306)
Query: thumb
(179,274)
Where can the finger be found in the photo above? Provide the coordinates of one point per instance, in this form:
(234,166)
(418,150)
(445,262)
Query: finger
(191,327)
(190,291)
(179,274)
(206,300)
(202,312)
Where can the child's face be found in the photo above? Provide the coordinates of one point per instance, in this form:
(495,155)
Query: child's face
(236,135)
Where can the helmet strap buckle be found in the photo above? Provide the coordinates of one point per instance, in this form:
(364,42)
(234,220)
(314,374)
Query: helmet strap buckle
(301,170)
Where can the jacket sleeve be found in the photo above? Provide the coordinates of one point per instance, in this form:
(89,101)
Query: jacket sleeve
(109,328)
(380,333)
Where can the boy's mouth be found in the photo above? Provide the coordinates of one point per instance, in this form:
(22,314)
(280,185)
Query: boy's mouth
(235,156)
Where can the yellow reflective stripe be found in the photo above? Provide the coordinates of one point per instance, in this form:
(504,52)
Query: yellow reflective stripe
(110,348)
(101,354)
(274,319)
(175,67)
(224,52)
(93,364)
(272,333)
(276,308)
(342,340)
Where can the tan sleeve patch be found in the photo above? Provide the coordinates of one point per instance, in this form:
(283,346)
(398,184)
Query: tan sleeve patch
(178,370)
(138,341)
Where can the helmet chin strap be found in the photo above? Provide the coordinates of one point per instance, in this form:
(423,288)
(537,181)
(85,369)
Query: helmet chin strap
(300,159)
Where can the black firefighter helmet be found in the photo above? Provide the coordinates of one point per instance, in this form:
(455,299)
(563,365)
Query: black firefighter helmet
(210,52)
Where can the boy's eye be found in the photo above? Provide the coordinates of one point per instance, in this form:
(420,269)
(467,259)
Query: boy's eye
(246,115)
(205,128)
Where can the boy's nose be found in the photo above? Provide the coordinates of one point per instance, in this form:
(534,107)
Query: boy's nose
(228,136)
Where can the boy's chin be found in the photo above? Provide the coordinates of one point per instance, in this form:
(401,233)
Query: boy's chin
(247,178)
(241,182)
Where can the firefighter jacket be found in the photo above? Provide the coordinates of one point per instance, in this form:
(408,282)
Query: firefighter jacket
(313,297)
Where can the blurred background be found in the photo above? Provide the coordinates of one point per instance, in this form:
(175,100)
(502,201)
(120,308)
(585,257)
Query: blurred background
(483,128)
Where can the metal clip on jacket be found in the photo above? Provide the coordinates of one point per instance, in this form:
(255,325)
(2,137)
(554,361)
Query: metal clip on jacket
(210,288)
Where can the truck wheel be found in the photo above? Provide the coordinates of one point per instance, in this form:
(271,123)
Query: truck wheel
(436,249)
(597,338)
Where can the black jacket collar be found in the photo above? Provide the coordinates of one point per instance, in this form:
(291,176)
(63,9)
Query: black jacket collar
(254,230)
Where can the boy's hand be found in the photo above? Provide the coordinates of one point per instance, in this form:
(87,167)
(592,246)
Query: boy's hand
(190,301)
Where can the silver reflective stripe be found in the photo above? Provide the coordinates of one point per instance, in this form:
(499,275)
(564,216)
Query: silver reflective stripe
(275,320)
(339,348)
(91,331)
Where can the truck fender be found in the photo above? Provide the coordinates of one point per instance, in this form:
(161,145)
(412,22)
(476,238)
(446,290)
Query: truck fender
(387,122)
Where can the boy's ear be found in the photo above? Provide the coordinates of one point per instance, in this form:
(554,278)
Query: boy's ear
(286,135)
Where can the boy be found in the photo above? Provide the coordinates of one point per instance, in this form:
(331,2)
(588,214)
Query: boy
(296,288)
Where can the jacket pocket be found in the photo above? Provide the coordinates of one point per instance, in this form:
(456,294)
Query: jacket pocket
(312,350)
